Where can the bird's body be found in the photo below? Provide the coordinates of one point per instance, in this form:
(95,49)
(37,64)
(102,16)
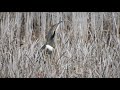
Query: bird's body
(52,31)
(50,44)
(49,47)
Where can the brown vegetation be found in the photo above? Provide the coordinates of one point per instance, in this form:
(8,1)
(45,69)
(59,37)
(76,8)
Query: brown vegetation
(87,45)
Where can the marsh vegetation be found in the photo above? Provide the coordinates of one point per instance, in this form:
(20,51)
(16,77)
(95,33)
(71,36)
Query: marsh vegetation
(87,45)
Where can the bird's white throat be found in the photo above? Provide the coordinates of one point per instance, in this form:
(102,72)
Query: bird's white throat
(49,47)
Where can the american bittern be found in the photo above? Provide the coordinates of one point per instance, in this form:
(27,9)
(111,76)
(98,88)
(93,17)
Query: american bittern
(50,44)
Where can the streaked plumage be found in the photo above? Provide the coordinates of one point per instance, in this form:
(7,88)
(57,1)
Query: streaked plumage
(50,44)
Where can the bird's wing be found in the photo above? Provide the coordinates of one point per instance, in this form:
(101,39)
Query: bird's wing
(43,47)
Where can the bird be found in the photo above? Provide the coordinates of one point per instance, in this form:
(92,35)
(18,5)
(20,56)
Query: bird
(50,44)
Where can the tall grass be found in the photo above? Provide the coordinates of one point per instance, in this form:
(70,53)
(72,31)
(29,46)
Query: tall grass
(87,45)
